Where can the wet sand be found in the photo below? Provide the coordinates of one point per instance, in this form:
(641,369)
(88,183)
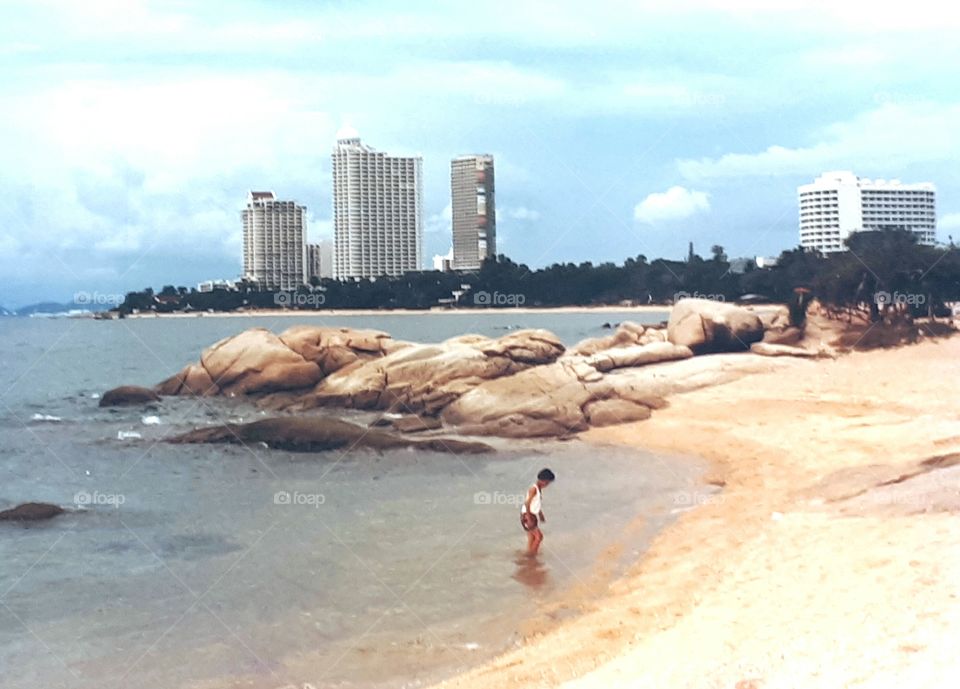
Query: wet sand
(831,558)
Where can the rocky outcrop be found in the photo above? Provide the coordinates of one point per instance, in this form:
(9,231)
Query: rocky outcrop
(31,512)
(524,384)
(128,396)
(256,361)
(563,398)
(770,349)
(705,325)
(426,378)
(613,411)
(637,355)
(627,334)
(318,434)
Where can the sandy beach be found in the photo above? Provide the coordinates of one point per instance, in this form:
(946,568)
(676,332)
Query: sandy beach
(830,559)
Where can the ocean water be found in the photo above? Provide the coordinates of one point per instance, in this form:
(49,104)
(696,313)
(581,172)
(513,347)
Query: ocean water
(235,566)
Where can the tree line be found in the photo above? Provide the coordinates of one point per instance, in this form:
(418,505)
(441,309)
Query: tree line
(882,271)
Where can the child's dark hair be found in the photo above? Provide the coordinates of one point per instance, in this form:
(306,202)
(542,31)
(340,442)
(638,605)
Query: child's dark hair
(546,475)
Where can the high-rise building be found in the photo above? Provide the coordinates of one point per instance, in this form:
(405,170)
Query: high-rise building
(473,211)
(314,262)
(377,211)
(837,204)
(273,242)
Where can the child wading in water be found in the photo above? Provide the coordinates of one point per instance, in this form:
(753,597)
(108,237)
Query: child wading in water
(531,512)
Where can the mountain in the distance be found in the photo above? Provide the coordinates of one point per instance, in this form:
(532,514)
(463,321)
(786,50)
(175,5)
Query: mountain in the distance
(51,308)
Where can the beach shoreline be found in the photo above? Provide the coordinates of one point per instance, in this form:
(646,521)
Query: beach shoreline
(796,573)
(259,313)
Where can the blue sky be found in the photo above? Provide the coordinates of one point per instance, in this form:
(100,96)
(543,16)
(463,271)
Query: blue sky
(132,130)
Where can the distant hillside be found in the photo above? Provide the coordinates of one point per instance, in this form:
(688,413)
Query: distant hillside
(52,307)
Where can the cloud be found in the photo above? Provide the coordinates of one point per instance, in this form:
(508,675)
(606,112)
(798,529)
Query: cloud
(521,213)
(950,221)
(675,203)
(440,223)
(887,138)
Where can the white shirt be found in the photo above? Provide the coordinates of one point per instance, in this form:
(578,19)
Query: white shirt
(535,502)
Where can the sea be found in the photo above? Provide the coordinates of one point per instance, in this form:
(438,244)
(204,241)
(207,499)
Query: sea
(192,566)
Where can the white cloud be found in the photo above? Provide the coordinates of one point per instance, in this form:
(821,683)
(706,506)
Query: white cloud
(439,222)
(950,221)
(673,204)
(887,138)
(522,213)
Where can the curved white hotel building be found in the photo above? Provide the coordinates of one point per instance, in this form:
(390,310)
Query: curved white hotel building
(377,211)
(837,204)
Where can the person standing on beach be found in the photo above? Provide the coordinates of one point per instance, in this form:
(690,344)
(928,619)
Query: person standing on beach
(531,512)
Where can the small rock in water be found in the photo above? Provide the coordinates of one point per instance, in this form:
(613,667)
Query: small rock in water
(45,417)
(31,512)
(128,435)
(150,420)
(94,395)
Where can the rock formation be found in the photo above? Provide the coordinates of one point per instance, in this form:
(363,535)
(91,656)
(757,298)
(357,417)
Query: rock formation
(128,395)
(524,384)
(257,361)
(426,378)
(317,434)
(705,325)
(31,512)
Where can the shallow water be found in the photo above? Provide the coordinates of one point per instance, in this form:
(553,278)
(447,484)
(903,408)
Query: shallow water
(241,566)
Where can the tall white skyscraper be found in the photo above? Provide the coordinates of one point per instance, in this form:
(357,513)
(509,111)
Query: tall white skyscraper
(474,211)
(273,242)
(837,204)
(377,211)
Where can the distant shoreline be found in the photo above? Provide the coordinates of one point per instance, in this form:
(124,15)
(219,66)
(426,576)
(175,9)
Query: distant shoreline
(254,313)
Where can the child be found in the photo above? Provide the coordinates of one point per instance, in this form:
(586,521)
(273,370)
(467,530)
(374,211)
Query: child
(532,509)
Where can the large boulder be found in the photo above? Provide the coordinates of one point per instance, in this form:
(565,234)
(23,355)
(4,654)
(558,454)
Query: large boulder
(706,325)
(426,378)
(256,361)
(542,401)
(333,348)
(127,396)
(318,434)
(31,512)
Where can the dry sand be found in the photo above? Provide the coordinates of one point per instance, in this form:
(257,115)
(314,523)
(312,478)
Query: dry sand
(831,558)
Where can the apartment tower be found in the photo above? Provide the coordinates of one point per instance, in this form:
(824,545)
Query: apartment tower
(377,211)
(273,242)
(837,204)
(474,215)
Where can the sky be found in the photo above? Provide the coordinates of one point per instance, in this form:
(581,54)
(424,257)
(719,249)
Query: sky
(132,130)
